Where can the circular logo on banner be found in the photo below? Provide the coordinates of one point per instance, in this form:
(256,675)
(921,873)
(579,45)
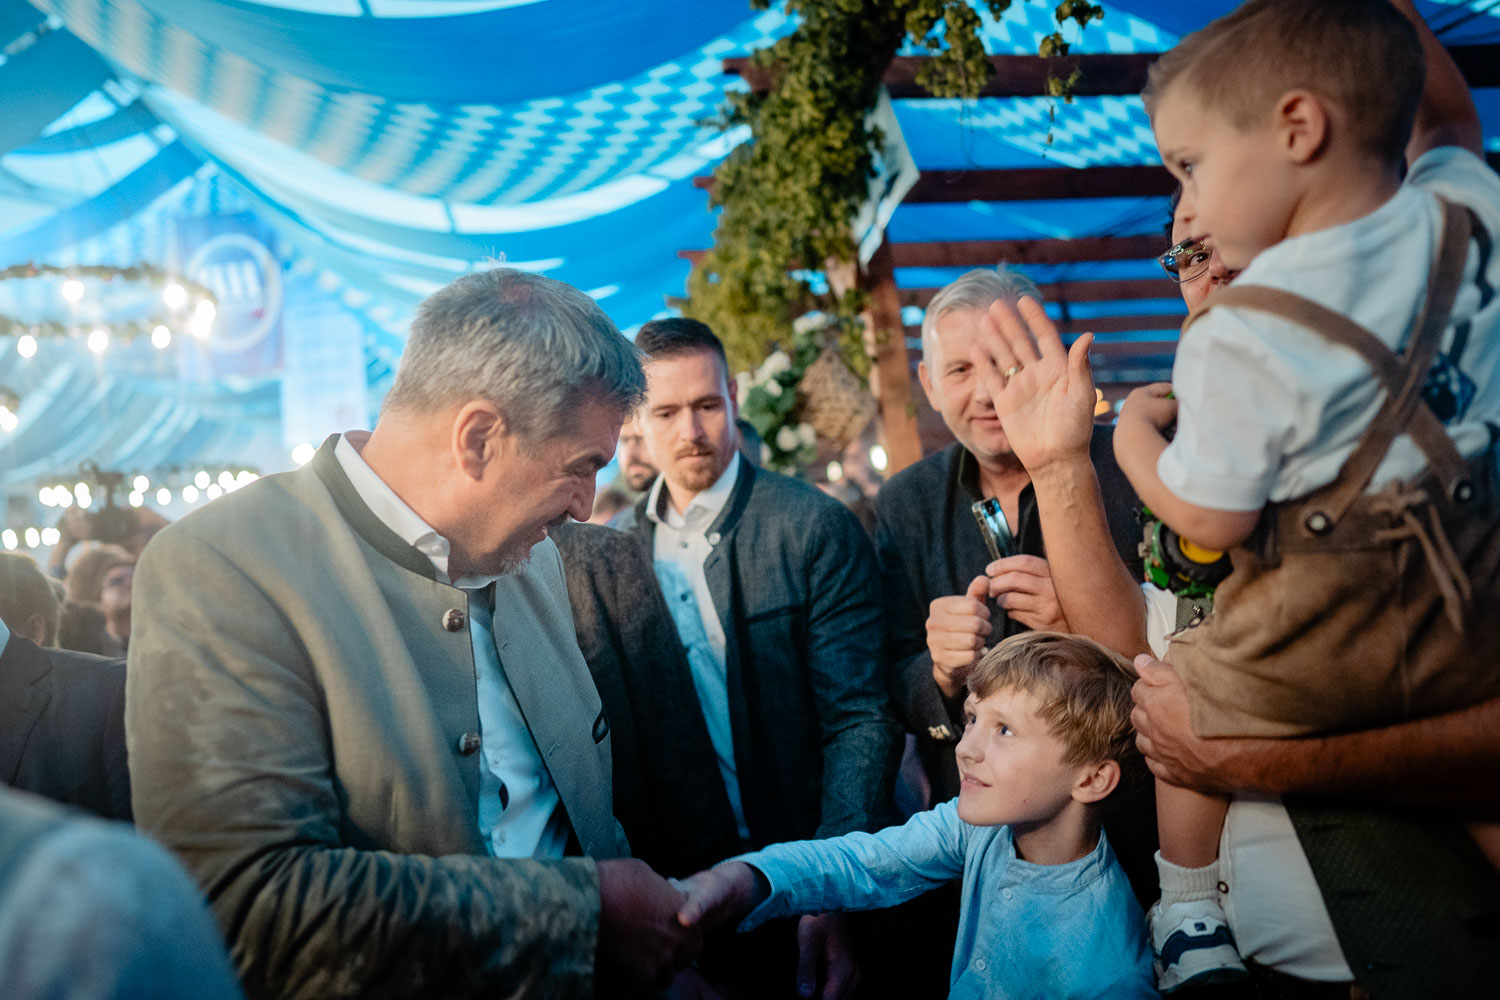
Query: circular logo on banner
(246,277)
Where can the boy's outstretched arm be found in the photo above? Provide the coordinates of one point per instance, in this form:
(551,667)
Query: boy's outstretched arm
(1139,442)
(1446,115)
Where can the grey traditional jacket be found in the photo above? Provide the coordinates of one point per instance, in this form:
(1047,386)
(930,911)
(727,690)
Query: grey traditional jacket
(793,579)
(301,719)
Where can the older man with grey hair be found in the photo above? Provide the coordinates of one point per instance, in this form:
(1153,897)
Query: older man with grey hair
(356,707)
(940,579)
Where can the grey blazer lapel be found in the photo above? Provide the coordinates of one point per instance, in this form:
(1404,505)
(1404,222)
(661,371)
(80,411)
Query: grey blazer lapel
(552,685)
(23,666)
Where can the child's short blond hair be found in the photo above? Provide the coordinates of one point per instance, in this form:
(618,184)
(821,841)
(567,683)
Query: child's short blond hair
(1082,691)
(1362,55)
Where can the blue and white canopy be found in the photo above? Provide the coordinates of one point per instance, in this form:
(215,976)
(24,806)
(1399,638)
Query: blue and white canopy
(325,164)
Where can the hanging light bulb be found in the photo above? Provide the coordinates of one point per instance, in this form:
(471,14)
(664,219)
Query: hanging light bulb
(226,480)
(202,323)
(33,538)
(44,496)
(160,337)
(213,492)
(200,479)
(163,496)
(8,420)
(136,498)
(140,484)
(26,345)
(72,290)
(98,340)
(878,458)
(8,539)
(190,493)
(303,453)
(51,536)
(174,296)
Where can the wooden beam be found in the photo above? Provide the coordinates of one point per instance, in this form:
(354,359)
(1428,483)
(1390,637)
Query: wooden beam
(1033,183)
(1105,324)
(1480,64)
(987,253)
(1015,76)
(1028,184)
(1076,291)
(1132,348)
(891,378)
(1103,73)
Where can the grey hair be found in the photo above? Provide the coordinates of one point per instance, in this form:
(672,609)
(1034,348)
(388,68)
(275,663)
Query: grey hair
(532,346)
(974,289)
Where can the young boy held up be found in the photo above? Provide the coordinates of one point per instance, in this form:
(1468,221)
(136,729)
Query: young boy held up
(1335,407)
(1047,910)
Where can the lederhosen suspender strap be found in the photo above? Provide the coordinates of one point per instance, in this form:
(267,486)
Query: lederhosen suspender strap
(1403,377)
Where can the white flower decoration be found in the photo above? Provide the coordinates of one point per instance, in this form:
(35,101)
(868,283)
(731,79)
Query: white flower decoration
(787,439)
(774,365)
(808,322)
(807,434)
(772,387)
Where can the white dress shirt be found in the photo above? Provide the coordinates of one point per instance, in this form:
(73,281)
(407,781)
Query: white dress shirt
(4,638)
(520,813)
(681,547)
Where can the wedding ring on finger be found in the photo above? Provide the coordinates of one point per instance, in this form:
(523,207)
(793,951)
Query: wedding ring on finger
(1010,372)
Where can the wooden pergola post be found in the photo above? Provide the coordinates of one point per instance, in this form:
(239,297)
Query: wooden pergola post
(890,375)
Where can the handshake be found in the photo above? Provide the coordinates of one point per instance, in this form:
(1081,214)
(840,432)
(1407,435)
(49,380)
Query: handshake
(650,928)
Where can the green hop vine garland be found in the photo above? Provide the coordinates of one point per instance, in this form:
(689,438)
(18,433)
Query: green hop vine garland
(790,193)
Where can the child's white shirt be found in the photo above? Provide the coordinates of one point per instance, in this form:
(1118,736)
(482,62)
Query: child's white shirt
(1269,411)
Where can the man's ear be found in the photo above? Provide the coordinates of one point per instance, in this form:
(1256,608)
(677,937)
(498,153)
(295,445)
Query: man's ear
(1301,124)
(1096,781)
(35,628)
(925,377)
(478,428)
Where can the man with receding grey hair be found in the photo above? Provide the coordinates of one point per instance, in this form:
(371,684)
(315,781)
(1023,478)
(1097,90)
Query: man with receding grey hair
(356,707)
(940,579)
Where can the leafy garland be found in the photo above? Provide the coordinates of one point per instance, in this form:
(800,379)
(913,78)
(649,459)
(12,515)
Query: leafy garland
(790,194)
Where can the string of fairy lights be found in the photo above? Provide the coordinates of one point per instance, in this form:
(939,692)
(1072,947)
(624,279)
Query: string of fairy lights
(93,489)
(185,305)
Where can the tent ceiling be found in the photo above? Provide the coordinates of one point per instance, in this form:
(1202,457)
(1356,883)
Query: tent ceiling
(387,146)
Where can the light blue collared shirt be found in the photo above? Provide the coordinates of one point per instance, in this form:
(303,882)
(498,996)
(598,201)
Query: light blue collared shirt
(681,547)
(1037,931)
(520,811)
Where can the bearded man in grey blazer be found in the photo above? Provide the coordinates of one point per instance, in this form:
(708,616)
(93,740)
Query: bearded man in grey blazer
(356,708)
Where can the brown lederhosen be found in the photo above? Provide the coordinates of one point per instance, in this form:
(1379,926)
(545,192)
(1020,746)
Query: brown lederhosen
(1348,609)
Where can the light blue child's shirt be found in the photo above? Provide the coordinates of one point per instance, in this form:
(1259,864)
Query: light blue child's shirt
(1024,930)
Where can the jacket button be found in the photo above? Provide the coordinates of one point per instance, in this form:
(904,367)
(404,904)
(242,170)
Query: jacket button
(468,743)
(453,619)
(715,538)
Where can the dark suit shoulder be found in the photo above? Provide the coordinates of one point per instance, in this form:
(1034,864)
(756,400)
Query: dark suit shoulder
(797,503)
(593,541)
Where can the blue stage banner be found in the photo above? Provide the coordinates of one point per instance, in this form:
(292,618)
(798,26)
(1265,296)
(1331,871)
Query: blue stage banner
(235,256)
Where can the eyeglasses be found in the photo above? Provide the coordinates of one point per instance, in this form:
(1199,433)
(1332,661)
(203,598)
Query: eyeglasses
(1187,260)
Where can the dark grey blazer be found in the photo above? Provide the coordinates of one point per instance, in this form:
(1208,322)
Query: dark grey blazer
(668,793)
(793,578)
(62,727)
